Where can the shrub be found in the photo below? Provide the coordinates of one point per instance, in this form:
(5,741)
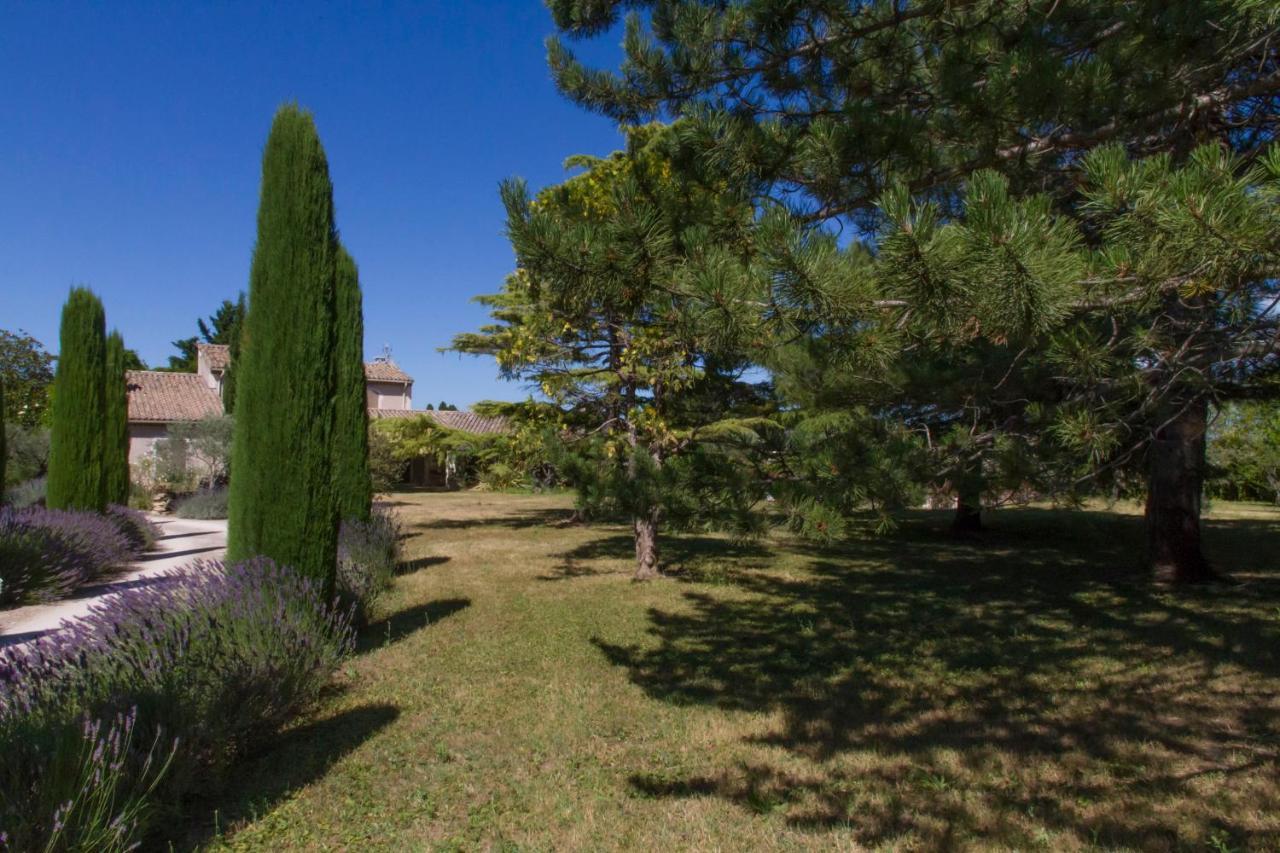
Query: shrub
(216,657)
(45,553)
(27,494)
(141,532)
(28,452)
(368,553)
(206,503)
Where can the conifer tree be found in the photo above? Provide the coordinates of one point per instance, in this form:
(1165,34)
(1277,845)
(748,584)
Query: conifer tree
(116,426)
(352,484)
(77,477)
(902,118)
(622,314)
(4,449)
(233,357)
(281,499)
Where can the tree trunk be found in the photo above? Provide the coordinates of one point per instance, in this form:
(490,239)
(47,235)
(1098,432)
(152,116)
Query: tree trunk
(968,518)
(1175,479)
(646,533)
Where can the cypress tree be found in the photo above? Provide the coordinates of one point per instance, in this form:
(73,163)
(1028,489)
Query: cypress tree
(4,449)
(77,467)
(281,501)
(353,490)
(116,431)
(229,377)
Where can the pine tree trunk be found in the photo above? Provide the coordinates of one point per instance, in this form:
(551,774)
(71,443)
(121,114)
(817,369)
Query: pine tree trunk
(1175,479)
(646,535)
(968,517)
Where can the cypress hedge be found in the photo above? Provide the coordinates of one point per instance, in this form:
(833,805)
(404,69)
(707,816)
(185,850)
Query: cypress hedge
(353,489)
(116,427)
(281,498)
(77,470)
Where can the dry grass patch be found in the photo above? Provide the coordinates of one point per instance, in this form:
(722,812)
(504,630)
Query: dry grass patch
(1029,690)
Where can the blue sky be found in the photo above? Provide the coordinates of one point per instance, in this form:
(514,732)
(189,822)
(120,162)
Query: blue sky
(131,138)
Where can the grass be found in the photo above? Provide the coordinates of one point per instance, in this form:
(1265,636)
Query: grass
(1028,690)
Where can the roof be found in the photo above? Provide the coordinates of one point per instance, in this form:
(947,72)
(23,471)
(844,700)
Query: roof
(155,396)
(461,421)
(385,371)
(218,355)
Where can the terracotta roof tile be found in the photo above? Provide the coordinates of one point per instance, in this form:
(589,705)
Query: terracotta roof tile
(158,396)
(218,355)
(385,371)
(461,421)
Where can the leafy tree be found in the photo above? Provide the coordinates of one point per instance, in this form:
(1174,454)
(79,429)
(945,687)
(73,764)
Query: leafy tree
(351,479)
(195,452)
(77,445)
(612,315)
(957,133)
(28,452)
(1244,451)
(27,371)
(281,502)
(221,327)
(115,453)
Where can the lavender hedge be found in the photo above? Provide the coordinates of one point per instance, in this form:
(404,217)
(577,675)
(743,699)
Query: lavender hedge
(141,531)
(368,554)
(214,658)
(46,553)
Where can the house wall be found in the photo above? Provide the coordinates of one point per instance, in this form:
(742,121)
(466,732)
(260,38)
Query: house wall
(211,378)
(142,438)
(389,395)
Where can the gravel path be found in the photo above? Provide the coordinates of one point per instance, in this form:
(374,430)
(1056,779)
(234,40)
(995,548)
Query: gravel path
(181,541)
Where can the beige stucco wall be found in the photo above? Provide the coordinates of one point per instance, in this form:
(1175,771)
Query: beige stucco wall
(389,395)
(142,437)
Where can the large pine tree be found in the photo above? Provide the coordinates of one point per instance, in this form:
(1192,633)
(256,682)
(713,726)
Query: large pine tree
(854,113)
(115,437)
(281,501)
(352,486)
(77,448)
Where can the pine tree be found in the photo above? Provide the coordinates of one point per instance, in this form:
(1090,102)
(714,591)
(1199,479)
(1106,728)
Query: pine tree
(622,313)
(352,484)
(116,431)
(281,501)
(77,476)
(901,119)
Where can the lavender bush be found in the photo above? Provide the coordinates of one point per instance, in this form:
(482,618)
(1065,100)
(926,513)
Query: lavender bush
(78,787)
(46,553)
(217,657)
(368,553)
(141,531)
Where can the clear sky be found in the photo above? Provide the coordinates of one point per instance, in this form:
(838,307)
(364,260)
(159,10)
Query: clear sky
(130,150)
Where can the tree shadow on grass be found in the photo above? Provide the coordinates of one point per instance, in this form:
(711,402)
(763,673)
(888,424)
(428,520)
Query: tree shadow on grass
(299,756)
(705,559)
(934,690)
(419,563)
(403,623)
(513,520)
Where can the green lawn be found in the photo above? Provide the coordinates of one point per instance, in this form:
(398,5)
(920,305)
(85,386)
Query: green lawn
(1029,690)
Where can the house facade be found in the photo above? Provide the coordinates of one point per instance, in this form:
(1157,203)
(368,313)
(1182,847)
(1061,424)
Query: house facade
(158,399)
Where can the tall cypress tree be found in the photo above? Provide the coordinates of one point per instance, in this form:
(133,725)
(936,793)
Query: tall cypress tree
(353,490)
(4,449)
(229,376)
(281,501)
(116,427)
(77,465)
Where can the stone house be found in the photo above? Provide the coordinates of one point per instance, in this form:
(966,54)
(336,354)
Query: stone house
(158,399)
